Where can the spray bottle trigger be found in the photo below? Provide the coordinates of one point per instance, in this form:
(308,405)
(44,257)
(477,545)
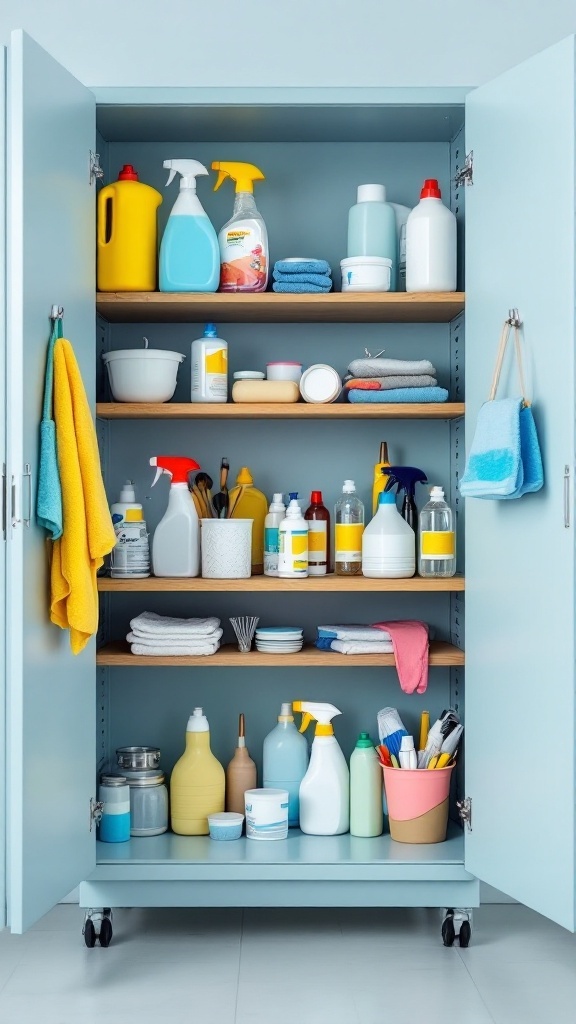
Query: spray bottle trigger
(222,175)
(306,719)
(171,177)
(159,472)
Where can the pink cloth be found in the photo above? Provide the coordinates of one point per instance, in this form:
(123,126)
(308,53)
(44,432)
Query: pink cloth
(410,643)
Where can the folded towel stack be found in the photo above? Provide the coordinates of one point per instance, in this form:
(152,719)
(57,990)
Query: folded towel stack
(354,640)
(301,276)
(161,635)
(393,380)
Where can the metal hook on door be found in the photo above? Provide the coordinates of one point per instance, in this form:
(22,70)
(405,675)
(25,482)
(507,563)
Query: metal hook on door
(514,318)
(56,312)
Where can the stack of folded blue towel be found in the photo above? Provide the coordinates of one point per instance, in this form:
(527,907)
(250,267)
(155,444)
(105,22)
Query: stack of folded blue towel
(301,276)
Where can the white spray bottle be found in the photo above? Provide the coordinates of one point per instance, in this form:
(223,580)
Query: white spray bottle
(189,251)
(325,789)
(176,544)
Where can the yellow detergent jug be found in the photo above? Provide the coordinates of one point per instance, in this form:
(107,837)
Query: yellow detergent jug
(128,235)
(247,502)
(198,781)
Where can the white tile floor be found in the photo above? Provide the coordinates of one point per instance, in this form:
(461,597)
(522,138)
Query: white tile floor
(258,967)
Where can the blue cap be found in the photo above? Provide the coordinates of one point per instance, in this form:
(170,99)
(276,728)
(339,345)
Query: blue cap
(210,331)
(386,498)
(293,495)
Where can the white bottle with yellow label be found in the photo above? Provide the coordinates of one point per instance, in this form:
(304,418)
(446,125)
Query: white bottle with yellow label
(437,537)
(293,543)
(209,367)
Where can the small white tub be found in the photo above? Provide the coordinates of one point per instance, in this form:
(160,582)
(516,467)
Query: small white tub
(366,274)
(266,813)
(142,374)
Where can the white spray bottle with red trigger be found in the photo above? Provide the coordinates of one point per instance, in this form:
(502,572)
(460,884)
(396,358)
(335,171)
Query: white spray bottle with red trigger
(176,544)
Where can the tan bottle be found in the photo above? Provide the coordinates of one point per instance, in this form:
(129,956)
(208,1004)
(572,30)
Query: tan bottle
(240,774)
(197,783)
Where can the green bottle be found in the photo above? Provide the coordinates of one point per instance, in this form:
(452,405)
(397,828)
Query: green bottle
(366,816)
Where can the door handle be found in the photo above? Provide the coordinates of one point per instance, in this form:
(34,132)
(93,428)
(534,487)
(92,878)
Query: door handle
(26,497)
(567,497)
(4,500)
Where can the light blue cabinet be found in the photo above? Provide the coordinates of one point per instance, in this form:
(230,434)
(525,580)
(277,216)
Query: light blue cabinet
(519,555)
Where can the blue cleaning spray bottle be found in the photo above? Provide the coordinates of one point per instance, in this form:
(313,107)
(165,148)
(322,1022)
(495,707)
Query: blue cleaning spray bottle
(189,252)
(405,479)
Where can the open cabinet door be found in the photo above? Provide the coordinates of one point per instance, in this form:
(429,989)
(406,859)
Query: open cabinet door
(520,738)
(3,486)
(51,694)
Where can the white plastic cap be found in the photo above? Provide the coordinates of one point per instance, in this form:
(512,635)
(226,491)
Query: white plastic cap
(407,743)
(348,487)
(127,494)
(294,511)
(437,494)
(197,722)
(286,711)
(371,194)
(277,499)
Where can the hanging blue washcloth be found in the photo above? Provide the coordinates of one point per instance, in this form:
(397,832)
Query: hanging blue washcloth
(302,267)
(400,395)
(49,497)
(504,460)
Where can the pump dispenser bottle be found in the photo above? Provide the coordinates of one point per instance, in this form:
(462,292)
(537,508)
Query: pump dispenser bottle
(286,761)
(197,783)
(293,542)
(189,254)
(325,789)
(243,240)
(176,544)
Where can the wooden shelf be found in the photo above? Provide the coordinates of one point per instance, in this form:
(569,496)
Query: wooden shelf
(119,654)
(268,307)
(268,410)
(259,584)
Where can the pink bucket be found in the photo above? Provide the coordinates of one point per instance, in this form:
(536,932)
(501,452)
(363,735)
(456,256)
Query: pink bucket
(418,803)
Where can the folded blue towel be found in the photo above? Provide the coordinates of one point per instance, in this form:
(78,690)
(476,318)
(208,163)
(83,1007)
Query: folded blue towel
(302,267)
(401,395)
(320,279)
(299,288)
(49,496)
(504,460)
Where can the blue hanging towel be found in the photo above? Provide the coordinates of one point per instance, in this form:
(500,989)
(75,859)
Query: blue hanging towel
(49,496)
(504,460)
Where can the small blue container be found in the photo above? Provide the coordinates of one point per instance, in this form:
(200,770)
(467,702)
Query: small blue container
(114,825)
(225,825)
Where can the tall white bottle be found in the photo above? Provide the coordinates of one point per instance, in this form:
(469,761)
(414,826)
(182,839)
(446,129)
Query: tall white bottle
(366,813)
(293,543)
(388,543)
(130,558)
(276,513)
(209,373)
(431,243)
(325,789)
(176,543)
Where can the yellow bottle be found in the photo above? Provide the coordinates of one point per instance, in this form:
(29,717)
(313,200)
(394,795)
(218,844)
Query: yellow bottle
(247,502)
(380,478)
(128,235)
(198,782)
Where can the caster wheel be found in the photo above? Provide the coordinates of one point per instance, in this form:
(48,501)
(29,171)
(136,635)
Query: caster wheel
(89,934)
(448,933)
(105,936)
(465,934)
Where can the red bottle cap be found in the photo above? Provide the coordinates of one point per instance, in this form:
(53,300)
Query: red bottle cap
(128,173)
(430,189)
(316,498)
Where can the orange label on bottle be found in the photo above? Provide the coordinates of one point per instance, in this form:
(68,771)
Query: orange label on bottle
(437,544)
(299,543)
(217,362)
(317,537)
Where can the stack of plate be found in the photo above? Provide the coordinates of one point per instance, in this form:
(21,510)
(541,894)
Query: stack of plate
(279,639)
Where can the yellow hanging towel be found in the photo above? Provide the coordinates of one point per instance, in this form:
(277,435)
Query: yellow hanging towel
(88,532)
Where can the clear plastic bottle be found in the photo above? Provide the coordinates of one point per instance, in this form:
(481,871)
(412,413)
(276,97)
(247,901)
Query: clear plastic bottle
(437,537)
(349,527)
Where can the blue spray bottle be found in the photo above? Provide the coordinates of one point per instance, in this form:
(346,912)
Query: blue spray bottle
(189,252)
(406,478)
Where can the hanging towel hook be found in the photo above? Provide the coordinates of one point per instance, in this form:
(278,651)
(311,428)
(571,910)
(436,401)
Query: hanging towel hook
(57,312)
(514,318)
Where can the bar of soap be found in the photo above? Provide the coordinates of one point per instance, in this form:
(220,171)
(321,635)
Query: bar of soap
(281,391)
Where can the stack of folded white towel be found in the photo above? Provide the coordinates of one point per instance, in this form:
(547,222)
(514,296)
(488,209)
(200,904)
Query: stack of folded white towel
(162,635)
(354,640)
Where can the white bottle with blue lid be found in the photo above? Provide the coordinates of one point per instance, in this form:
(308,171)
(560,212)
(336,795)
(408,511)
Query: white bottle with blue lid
(388,543)
(293,542)
(209,358)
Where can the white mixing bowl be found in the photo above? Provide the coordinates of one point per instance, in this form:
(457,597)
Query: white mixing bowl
(142,374)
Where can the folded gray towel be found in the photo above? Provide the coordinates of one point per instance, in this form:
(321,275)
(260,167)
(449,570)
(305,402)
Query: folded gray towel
(381,367)
(386,383)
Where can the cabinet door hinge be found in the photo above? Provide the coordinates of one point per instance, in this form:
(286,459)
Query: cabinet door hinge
(96,808)
(96,171)
(464,175)
(465,811)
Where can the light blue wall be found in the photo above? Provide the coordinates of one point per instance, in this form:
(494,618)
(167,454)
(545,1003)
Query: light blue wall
(327,42)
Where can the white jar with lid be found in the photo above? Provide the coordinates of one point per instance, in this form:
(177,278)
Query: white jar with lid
(320,384)
(148,802)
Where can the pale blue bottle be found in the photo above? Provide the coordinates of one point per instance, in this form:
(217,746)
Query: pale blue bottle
(372,228)
(189,251)
(286,761)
